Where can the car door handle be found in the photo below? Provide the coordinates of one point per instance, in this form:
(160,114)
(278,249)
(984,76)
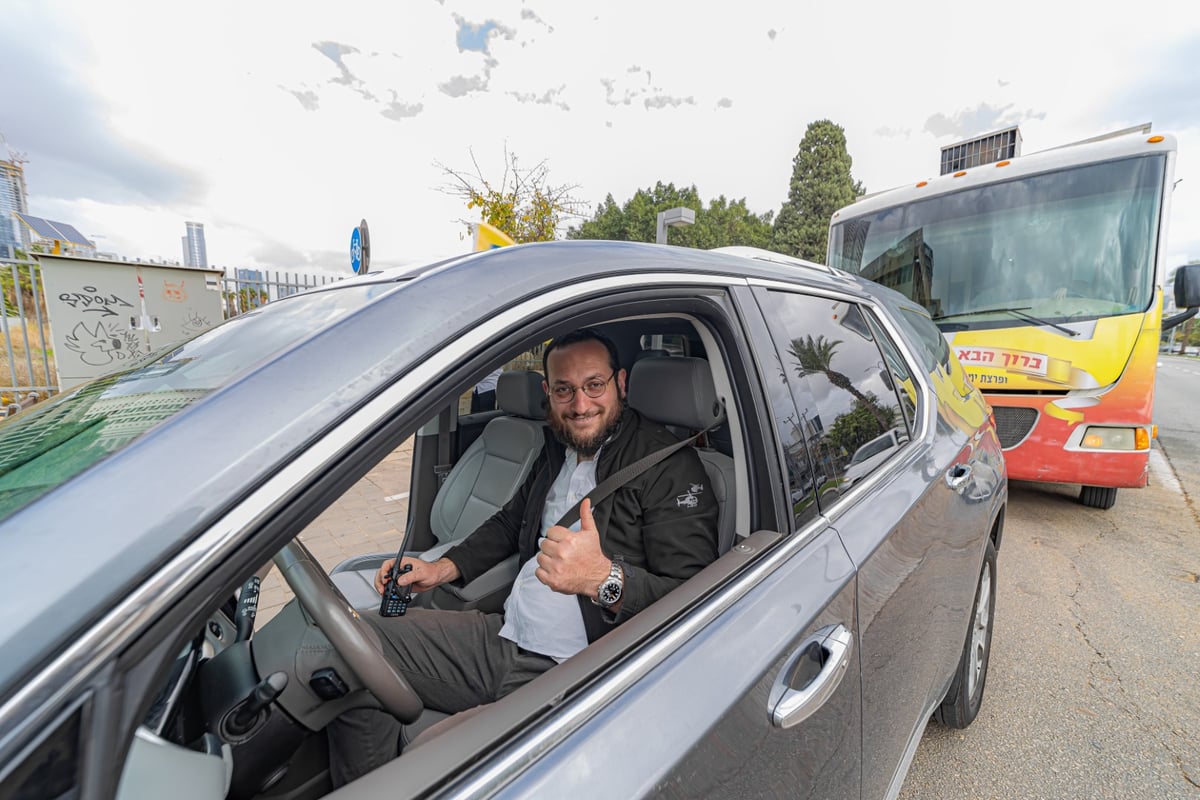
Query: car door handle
(957,475)
(830,647)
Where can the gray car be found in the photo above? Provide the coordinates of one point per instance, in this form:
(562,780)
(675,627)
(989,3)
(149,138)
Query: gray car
(806,661)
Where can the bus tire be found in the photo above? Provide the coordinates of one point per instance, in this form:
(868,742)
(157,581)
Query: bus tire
(1101,497)
(961,704)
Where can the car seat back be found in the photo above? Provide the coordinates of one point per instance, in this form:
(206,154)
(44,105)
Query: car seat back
(491,469)
(679,393)
(480,483)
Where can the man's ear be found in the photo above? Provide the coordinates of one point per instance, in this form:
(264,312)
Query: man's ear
(621,382)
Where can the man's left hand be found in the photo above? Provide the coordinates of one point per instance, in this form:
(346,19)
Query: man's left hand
(571,562)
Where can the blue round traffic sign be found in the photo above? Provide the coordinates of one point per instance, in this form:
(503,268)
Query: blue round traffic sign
(356,250)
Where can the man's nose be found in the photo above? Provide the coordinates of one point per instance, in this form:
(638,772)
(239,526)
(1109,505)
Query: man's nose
(580,401)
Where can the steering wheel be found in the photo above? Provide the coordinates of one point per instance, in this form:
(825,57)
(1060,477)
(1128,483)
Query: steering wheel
(351,635)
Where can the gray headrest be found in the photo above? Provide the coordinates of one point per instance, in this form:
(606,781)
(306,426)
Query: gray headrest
(675,391)
(520,393)
(655,352)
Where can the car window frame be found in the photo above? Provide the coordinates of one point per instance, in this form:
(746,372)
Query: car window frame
(861,348)
(905,343)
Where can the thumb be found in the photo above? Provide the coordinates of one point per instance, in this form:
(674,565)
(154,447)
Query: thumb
(586,521)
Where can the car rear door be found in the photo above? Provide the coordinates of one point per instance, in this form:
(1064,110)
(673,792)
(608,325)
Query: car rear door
(909,527)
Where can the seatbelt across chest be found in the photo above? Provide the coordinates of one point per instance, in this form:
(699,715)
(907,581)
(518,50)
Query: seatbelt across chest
(624,476)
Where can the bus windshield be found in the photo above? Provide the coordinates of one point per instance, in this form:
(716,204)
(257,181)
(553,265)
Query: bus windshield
(1064,246)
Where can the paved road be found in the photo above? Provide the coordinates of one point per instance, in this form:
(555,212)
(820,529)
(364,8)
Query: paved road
(1093,690)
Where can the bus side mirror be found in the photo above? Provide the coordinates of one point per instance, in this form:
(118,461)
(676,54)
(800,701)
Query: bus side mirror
(1187,286)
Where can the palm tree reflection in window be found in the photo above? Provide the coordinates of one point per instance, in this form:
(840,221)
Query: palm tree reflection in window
(868,419)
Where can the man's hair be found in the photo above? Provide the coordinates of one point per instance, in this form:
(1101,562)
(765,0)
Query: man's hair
(577,336)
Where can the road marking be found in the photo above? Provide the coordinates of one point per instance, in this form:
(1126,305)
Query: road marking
(1163,473)
(394,497)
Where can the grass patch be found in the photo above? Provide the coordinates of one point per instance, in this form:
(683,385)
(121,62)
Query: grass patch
(27,345)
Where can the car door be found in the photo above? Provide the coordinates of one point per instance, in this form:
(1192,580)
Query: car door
(754,691)
(914,538)
(724,714)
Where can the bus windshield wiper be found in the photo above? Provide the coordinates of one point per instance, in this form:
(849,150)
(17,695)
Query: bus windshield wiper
(1016,312)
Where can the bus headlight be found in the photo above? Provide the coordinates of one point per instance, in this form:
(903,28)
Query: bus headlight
(1097,438)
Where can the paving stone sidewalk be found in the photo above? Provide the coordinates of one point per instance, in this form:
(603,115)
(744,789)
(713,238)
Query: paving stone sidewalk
(369,518)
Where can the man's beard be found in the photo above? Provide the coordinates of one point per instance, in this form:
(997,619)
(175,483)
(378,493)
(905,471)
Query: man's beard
(591,445)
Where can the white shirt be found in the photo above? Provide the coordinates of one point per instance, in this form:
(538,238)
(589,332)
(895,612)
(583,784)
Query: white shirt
(488,384)
(536,617)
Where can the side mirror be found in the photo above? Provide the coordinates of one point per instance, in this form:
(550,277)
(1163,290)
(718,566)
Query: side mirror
(1187,286)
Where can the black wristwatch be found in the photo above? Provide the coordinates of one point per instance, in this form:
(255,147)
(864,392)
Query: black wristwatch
(608,594)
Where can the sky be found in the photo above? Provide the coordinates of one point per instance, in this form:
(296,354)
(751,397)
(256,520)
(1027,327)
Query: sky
(280,125)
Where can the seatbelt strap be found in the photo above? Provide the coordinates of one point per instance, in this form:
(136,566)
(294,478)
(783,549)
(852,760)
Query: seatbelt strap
(443,466)
(624,476)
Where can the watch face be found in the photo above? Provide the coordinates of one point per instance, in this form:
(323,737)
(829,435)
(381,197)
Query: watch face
(610,592)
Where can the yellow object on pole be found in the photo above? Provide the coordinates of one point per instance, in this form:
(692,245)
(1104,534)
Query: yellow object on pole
(488,237)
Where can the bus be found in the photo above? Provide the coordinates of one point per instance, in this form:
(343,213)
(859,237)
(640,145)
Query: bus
(1044,272)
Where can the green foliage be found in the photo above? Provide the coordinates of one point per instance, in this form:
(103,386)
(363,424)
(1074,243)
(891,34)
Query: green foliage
(860,425)
(244,299)
(723,223)
(817,355)
(524,204)
(24,285)
(821,184)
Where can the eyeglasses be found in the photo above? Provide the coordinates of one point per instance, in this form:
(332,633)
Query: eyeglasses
(562,393)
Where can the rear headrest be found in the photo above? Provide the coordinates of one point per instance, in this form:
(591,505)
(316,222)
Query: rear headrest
(520,393)
(654,352)
(675,391)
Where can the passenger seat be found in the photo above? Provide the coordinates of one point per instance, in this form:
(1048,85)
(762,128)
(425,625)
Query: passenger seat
(481,482)
(679,393)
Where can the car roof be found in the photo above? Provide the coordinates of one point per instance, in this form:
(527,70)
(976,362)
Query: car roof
(123,518)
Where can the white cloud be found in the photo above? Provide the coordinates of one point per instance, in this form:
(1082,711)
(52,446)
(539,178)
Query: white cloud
(280,149)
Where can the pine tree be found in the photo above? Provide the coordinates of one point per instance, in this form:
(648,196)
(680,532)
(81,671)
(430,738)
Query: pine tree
(821,184)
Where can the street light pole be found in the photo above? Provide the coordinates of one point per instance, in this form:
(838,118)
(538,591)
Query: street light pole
(672,217)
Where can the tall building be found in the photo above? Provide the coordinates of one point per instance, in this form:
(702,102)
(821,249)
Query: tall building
(195,252)
(12,202)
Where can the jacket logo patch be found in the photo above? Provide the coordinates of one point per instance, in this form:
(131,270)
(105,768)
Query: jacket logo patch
(689,498)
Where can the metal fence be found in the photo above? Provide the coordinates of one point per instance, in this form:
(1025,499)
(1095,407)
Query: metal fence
(27,371)
(249,289)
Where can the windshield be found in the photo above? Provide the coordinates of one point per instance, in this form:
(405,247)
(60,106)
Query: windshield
(56,440)
(1062,246)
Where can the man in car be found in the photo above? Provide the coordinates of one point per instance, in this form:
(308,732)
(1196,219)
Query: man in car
(575,583)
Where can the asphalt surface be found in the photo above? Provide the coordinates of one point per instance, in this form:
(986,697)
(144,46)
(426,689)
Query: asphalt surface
(1094,685)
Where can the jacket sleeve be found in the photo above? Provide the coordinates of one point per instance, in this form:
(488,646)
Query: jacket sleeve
(497,538)
(680,539)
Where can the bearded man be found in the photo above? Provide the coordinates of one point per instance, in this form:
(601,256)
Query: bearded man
(575,583)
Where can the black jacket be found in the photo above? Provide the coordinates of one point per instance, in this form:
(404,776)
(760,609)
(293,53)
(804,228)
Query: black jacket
(661,526)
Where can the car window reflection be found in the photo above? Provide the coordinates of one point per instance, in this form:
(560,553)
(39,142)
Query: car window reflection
(839,377)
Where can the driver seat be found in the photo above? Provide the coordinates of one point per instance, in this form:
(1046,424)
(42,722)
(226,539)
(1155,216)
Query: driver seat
(481,482)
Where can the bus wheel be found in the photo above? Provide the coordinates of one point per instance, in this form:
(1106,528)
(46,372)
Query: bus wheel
(1098,496)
